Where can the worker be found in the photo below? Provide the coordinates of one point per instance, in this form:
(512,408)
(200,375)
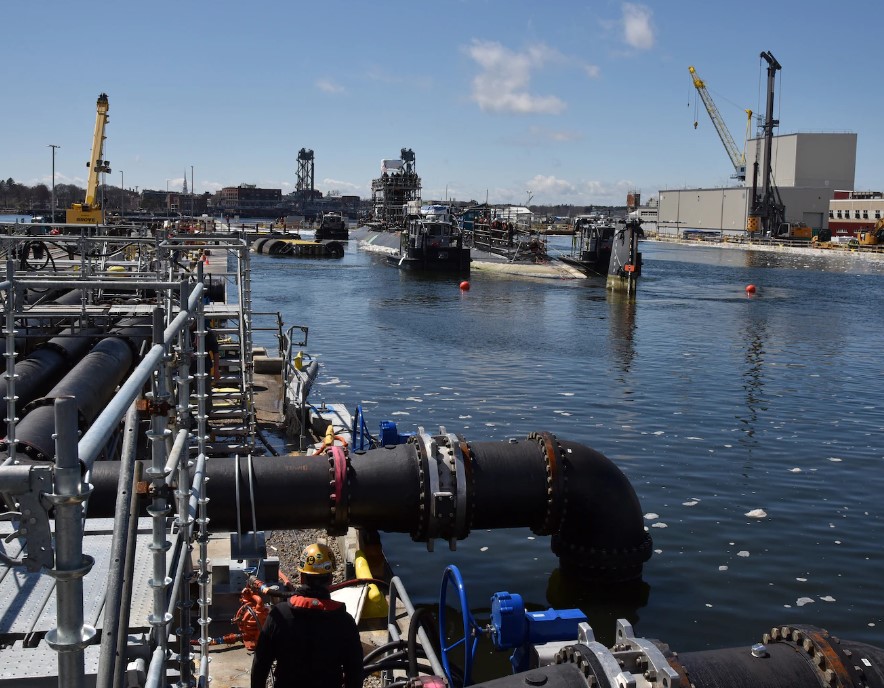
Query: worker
(313,639)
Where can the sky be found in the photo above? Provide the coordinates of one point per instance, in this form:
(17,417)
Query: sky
(513,101)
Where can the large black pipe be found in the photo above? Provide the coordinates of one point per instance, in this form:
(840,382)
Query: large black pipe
(442,491)
(92,382)
(808,657)
(794,656)
(34,331)
(45,366)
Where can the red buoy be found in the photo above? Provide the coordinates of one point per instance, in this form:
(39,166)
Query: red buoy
(750,289)
(464,286)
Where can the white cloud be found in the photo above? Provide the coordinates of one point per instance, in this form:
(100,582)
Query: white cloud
(329,86)
(592,71)
(551,189)
(541,136)
(329,184)
(548,186)
(503,84)
(637,29)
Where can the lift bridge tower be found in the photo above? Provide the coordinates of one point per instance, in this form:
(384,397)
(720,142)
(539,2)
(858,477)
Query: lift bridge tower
(304,185)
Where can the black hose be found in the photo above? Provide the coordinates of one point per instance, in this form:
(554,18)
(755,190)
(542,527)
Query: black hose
(393,644)
(357,581)
(384,666)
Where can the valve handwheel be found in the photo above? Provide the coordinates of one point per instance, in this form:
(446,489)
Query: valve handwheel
(471,631)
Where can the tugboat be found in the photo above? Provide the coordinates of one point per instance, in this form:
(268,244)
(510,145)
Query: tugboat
(432,241)
(591,245)
(332,226)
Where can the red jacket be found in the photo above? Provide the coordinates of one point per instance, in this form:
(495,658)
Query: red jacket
(314,641)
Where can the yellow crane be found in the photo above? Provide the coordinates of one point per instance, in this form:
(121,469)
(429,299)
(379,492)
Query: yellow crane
(738,159)
(90,212)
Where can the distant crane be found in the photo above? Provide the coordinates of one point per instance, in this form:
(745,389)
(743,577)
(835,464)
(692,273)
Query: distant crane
(90,211)
(767,212)
(737,158)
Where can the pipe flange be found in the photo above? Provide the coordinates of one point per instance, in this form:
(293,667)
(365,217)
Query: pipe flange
(419,532)
(555,503)
(427,447)
(588,559)
(836,666)
(470,480)
(463,495)
(340,493)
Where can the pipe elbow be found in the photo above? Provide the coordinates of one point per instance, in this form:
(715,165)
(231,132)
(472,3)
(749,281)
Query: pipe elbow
(601,534)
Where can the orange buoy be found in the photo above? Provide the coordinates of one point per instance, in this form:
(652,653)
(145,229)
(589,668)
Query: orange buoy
(750,289)
(464,286)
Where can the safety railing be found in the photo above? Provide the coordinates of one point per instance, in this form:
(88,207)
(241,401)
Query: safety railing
(64,486)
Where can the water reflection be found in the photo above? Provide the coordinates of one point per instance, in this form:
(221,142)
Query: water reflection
(754,335)
(602,604)
(621,316)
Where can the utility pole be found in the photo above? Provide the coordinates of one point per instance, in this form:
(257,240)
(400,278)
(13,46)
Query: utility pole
(53,147)
(191,190)
(122,196)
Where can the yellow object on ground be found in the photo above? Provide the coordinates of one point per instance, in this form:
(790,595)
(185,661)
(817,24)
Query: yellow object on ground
(375,606)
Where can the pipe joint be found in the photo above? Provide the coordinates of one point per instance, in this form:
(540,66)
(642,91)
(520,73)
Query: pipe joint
(445,489)
(551,451)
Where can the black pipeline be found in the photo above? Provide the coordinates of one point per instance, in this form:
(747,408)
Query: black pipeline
(92,382)
(788,657)
(47,364)
(441,487)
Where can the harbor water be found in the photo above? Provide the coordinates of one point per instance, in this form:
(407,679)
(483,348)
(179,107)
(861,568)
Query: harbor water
(749,425)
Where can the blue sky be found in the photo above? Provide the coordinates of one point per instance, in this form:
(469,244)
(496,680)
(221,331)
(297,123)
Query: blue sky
(570,102)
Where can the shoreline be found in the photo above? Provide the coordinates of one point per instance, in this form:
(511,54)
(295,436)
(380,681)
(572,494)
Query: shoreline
(872,253)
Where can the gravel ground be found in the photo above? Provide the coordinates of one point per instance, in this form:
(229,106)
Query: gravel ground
(288,545)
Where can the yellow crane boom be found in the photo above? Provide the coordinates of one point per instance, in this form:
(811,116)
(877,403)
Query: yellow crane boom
(89,212)
(738,159)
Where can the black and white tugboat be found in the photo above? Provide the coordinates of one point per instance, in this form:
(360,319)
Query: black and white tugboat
(591,245)
(332,227)
(432,241)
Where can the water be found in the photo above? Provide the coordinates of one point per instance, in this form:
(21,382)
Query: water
(715,404)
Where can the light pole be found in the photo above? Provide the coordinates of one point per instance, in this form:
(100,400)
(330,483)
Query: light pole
(53,147)
(527,204)
(122,196)
(191,191)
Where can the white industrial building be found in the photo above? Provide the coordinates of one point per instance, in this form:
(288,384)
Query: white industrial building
(807,169)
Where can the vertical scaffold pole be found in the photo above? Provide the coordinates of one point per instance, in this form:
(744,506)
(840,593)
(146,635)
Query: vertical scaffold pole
(159,507)
(10,375)
(185,521)
(71,565)
(202,519)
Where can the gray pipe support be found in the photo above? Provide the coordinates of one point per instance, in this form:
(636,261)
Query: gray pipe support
(444,487)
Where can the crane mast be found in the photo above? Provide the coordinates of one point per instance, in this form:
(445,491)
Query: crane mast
(737,159)
(767,209)
(89,212)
